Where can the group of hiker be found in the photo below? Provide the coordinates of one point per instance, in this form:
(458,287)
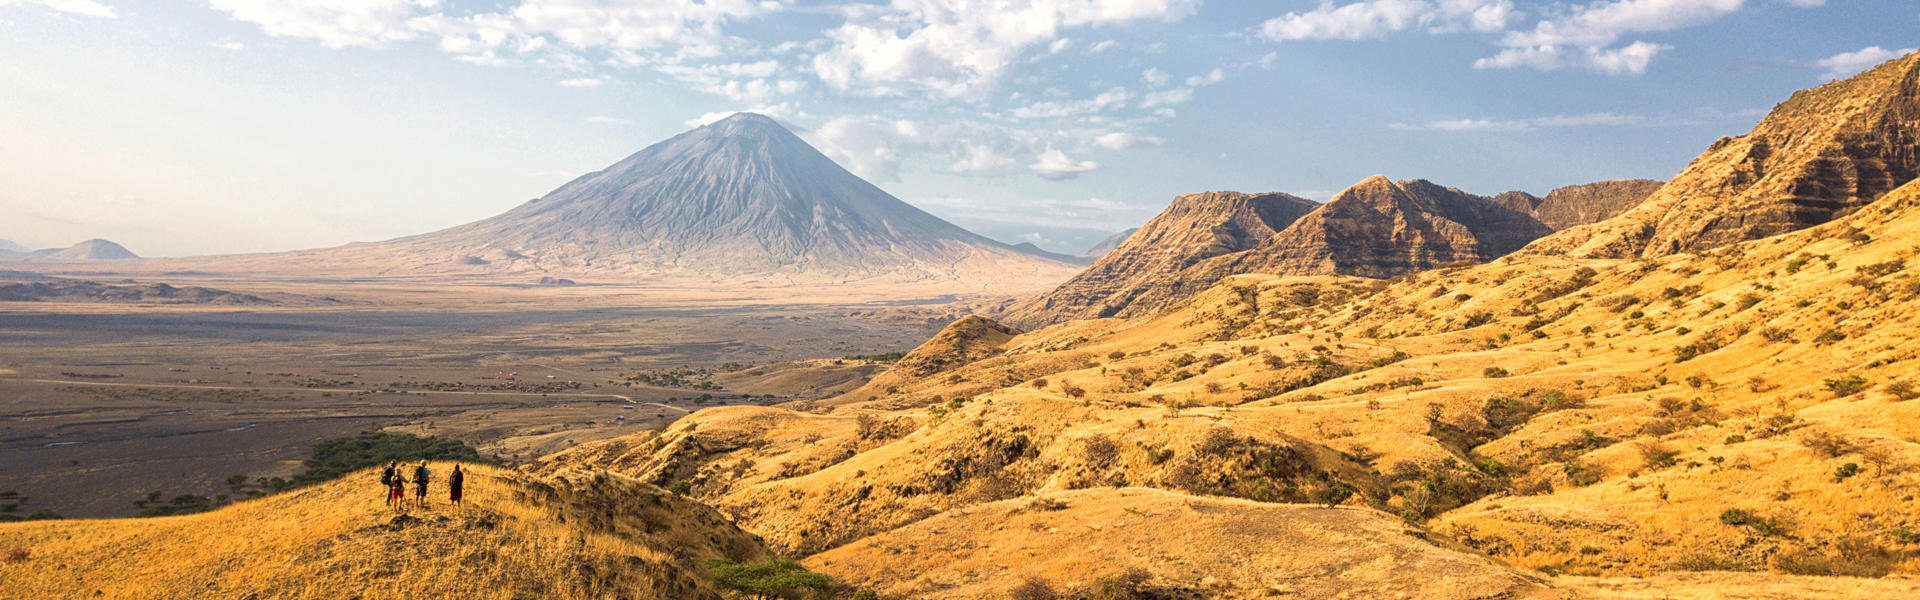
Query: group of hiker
(396,484)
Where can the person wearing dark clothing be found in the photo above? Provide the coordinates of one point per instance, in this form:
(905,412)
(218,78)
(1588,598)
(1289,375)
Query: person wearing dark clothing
(420,483)
(397,492)
(386,479)
(454,482)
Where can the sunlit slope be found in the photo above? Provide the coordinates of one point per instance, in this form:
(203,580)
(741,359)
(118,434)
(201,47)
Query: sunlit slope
(578,535)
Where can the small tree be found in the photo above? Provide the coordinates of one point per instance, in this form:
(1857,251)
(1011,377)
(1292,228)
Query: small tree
(772,578)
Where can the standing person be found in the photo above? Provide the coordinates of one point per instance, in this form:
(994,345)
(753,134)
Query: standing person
(420,483)
(386,478)
(397,492)
(454,482)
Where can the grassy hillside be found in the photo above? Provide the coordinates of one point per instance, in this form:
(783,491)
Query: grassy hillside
(577,535)
(1592,417)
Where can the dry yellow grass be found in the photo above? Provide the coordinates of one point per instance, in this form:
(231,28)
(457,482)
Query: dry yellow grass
(578,535)
(1285,388)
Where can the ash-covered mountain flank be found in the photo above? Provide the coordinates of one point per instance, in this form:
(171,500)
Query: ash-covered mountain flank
(739,198)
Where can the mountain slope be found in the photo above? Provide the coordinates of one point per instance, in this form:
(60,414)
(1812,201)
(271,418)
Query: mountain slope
(740,197)
(576,535)
(90,250)
(1823,152)
(10,246)
(1577,205)
(1152,264)
(1377,228)
(1104,246)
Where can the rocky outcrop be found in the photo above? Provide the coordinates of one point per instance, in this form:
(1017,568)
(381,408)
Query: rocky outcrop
(1820,154)
(1577,205)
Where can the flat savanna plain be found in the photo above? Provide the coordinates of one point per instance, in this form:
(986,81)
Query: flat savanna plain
(104,402)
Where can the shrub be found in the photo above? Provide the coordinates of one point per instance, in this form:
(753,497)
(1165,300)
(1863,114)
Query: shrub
(1034,588)
(1735,516)
(1216,442)
(1658,456)
(1777,335)
(1847,386)
(1829,336)
(1827,445)
(1852,557)
(1333,495)
(1071,390)
(1127,585)
(15,555)
(771,578)
(339,456)
(1117,354)
(1494,372)
(681,487)
(1902,390)
(1845,471)
(1397,356)
(1747,300)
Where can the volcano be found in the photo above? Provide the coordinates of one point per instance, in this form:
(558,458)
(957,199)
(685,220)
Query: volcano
(741,197)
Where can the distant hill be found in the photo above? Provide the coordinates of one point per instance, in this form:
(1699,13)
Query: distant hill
(1822,153)
(1030,249)
(1104,246)
(10,246)
(90,250)
(1377,228)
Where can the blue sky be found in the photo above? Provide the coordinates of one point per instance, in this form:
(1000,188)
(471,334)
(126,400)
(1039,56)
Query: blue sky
(253,125)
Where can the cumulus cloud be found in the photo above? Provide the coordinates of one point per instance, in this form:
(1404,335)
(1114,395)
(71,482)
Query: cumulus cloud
(1108,100)
(1631,59)
(331,23)
(1377,18)
(1155,77)
(959,48)
(1208,78)
(1848,64)
(584,82)
(1054,165)
(85,8)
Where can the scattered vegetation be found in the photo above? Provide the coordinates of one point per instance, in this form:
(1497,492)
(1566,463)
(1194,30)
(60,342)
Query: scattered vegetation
(770,578)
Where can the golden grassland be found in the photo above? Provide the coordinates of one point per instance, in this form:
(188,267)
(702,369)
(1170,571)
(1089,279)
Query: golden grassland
(578,535)
(1565,416)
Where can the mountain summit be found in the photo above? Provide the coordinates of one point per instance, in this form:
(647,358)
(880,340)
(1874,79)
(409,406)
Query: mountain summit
(741,197)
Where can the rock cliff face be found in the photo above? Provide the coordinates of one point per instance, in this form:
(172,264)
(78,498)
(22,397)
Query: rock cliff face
(1820,154)
(1377,228)
(1154,265)
(1577,205)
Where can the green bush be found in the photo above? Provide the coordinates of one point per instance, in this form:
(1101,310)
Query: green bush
(1735,516)
(771,578)
(1847,386)
(339,456)
(1494,372)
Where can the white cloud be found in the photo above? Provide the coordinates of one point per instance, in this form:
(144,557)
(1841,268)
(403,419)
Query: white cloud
(1631,59)
(585,82)
(1166,97)
(85,8)
(1054,165)
(1376,18)
(332,23)
(1210,78)
(1586,120)
(777,111)
(960,48)
(1107,100)
(1102,46)
(1124,141)
(227,45)
(1848,64)
(982,160)
(1155,77)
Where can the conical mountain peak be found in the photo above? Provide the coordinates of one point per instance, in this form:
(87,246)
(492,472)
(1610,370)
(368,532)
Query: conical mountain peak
(739,197)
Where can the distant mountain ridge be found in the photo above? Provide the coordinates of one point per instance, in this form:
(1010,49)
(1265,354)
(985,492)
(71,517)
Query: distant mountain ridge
(1102,247)
(1377,228)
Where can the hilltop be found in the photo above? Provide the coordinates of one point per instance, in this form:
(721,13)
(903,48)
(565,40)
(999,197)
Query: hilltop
(89,250)
(578,534)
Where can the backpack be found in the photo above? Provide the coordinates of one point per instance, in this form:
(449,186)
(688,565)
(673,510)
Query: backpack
(420,475)
(386,476)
